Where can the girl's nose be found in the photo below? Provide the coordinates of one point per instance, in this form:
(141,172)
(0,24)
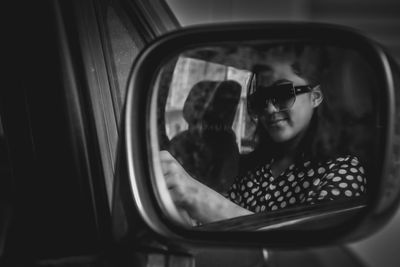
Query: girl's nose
(269,107)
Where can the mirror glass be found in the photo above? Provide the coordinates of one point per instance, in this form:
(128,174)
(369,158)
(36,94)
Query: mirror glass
(250,136)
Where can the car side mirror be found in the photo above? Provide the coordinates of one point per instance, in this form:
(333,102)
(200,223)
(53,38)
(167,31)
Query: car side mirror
(268,134)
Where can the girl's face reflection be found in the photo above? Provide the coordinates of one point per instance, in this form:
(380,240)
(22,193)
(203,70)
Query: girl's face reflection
(284,125)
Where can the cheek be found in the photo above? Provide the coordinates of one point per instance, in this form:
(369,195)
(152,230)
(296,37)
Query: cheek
(298,117)
(301,114)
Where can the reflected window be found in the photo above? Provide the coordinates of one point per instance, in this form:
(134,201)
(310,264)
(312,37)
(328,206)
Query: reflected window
(197,70)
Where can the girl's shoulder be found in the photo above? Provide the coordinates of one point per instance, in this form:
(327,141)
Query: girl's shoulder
(344,163)
(343,166)
(350,160)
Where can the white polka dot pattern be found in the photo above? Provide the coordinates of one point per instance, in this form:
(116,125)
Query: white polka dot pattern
(310,183)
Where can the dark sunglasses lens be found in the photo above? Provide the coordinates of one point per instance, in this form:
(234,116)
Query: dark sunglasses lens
(282,96)
(284,100)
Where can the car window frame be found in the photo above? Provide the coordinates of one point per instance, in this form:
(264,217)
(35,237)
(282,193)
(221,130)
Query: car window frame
(99,72)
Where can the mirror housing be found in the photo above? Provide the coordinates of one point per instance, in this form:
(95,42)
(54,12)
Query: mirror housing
(142,202)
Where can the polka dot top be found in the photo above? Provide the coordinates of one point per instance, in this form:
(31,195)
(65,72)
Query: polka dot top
(308,183)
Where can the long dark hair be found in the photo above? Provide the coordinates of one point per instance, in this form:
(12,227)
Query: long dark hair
(322,139)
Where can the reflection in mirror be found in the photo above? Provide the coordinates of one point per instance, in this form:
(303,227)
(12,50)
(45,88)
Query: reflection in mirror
(257,129)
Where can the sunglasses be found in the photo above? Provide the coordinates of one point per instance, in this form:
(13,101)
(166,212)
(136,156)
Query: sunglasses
(282,96)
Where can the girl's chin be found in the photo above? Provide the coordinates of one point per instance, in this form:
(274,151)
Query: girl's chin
(280,139)
(280,136)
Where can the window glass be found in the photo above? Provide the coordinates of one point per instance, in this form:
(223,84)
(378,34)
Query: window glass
(124,49)
(110,44)
(180,88)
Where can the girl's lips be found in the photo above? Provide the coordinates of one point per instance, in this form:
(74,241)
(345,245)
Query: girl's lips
(276,122)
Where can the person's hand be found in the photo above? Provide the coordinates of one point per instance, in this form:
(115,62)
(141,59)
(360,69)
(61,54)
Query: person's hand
(182,187)
(201,202)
